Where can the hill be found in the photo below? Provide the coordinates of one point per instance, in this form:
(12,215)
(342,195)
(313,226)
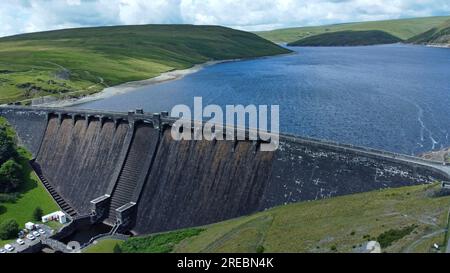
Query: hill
(348,38)
(439,36)
(85,60)
(401,28)
(409,219)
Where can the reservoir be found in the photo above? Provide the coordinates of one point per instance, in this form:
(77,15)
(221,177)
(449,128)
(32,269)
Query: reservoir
(390,97)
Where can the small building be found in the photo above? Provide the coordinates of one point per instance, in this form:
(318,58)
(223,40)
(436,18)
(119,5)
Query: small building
(56,216)
(29,226)
(446,185)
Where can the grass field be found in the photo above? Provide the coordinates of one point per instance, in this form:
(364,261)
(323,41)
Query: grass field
(348,38)
(76,62)
(342,223)
(403,29)
(32,195)
(438,36)
(410,219)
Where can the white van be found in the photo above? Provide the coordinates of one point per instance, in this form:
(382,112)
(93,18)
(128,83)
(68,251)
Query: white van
(9,248)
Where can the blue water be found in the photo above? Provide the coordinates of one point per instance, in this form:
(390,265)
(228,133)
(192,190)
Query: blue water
(394,97)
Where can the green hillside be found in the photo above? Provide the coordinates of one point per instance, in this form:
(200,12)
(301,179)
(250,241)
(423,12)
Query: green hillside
(402,28)
(436,36)
(409,219)
(83,61)
(348,38)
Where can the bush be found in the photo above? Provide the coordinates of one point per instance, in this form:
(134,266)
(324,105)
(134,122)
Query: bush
(260,249)
(387,238)
(10,176)
(9,229)
(37,214)
(117,249)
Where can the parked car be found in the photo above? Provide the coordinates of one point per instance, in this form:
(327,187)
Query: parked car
(41,231)
(30,237)
(36,234)
(2,250)
(9,248)
(20,242)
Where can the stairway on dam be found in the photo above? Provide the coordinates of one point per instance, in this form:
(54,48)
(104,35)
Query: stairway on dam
(144,143)
(66,207)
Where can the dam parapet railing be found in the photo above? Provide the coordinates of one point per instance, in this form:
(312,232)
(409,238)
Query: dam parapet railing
(162,120)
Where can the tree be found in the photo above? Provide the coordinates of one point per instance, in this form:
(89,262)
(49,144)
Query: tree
(10,176)
(37,214)
(9,229)
(7,145)
(117,249)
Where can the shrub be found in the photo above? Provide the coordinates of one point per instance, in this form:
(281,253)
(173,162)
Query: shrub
(260,249)
(9,229)
(387,238)
(37,214)
(117,249)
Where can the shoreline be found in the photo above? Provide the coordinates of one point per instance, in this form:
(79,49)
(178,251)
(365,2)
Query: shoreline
(438,45)
(124,88)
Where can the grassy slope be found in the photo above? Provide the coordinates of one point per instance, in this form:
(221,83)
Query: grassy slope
(32,194)
(344,222)
(38,64)
(403,28)
(103,246)
(348,38)
(318,226)
(439,35)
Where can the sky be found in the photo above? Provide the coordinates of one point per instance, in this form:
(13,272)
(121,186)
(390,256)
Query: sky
(22,16)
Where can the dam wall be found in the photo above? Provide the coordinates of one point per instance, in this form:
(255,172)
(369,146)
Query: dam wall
(77,157)
(195,183)
(132,160)
(29,126)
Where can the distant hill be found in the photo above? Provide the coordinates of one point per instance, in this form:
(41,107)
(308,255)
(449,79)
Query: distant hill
(348,38)
(401,28)
(84,61)
(436,36)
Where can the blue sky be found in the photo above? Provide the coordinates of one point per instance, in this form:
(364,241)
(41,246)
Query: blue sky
(20,16)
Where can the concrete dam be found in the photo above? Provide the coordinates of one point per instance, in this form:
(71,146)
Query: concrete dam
(124,169)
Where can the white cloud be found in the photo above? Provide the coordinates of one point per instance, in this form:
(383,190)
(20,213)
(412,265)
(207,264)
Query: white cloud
(18,16)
